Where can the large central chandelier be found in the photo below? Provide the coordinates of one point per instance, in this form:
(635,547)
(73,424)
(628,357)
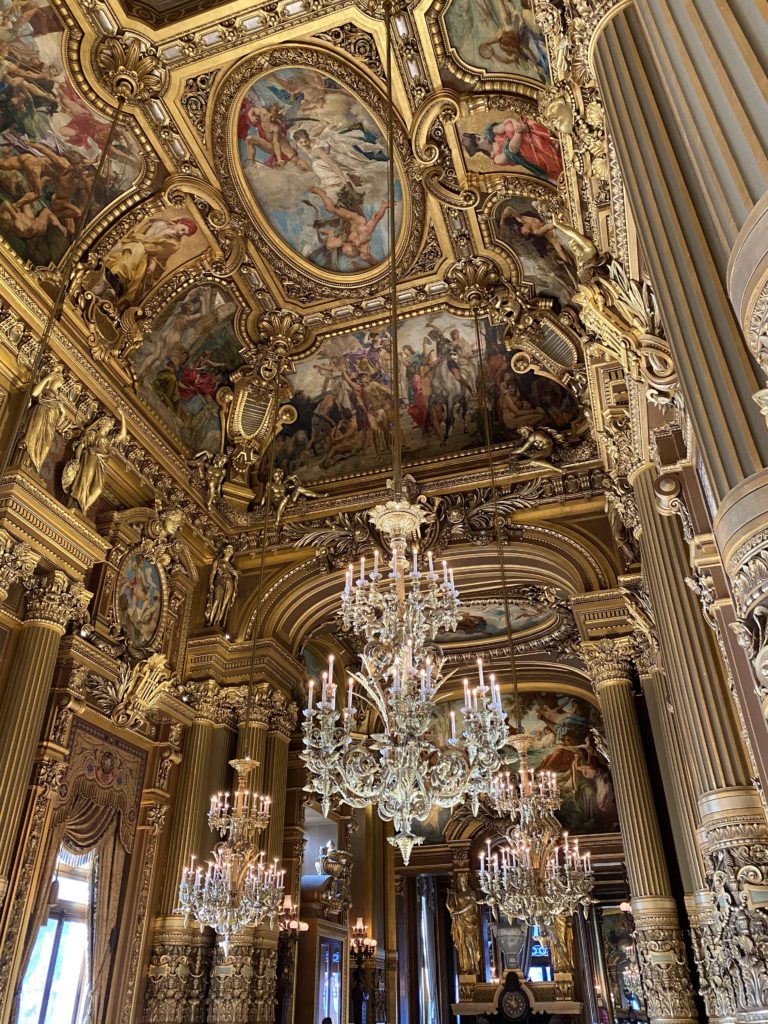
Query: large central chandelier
(407,767)
(537,874)
(404,768)
(238,889)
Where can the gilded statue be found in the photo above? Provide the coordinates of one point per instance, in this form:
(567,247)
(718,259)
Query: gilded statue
(560,935)
(44,416)
(462,906)
(213,469)
(83,476)
(535,449)
(284,491)
(222,588)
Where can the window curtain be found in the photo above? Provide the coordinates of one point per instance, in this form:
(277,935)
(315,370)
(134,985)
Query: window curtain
(87,829)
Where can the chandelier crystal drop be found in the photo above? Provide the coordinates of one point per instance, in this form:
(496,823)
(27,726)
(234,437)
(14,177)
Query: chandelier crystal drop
(238,889)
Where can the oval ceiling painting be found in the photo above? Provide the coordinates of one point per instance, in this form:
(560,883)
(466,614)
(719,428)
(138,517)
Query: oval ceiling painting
(316,161)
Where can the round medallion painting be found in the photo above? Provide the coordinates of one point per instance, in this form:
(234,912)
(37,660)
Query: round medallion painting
(139,599)
(316,161)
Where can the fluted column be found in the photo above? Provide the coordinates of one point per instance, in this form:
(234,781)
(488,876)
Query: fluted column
(683,83)
(673,762)
(190,804)
(53,601)
(181,960)
(731,945)
(666,982)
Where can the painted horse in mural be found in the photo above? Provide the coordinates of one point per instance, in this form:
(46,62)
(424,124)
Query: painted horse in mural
(449,394)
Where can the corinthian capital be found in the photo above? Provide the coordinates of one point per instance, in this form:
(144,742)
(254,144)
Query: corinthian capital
(57,600)
(17,562)
(608,661)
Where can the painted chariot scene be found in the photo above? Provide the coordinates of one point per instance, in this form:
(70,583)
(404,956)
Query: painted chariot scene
(343,397)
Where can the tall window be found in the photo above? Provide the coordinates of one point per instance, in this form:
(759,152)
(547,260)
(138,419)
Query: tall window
(55,988)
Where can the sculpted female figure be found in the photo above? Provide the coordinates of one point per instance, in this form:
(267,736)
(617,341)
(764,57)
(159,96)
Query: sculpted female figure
(462,907)
(83,476)
(43,417)
(222,588)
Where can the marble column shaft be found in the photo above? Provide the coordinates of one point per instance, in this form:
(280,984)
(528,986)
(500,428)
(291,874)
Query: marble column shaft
(683,85)
(275,784)
(716,757)
(732,834)
(189,825)
(660,946)
(683,810)
(658,937)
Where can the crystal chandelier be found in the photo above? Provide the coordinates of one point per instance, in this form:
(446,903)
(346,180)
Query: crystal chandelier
(238,889)
(537,874)
(402,768)
(534,879)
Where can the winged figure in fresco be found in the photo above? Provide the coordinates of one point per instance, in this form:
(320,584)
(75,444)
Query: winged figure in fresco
(517,40)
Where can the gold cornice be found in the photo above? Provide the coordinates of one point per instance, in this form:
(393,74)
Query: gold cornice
(62,536)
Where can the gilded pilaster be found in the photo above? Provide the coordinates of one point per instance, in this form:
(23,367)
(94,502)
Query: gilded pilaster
(659,939)
(683,810)
(179,970)
(53,601)
(282,723)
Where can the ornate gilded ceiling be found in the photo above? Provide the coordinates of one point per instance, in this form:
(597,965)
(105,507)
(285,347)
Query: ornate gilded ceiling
(243,209)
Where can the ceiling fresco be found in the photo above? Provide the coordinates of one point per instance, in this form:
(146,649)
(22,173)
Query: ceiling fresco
(316,161)
(50,139)
(483,622)
(342,396)
(245,200)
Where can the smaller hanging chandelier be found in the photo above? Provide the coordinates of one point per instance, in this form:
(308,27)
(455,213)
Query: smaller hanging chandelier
(538,874)
(361,947)
(238,890)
